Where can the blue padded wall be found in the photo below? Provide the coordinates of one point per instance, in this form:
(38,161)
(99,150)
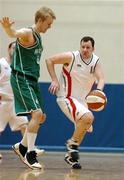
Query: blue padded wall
(108,125)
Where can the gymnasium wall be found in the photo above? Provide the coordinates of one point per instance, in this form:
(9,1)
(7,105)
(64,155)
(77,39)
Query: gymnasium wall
(104,20)
(108,134)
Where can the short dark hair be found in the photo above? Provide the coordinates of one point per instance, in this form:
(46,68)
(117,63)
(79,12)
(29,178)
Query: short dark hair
(10,44)
(88,38)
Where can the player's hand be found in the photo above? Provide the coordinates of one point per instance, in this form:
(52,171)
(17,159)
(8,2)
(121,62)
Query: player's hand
(54,87)
(6,22)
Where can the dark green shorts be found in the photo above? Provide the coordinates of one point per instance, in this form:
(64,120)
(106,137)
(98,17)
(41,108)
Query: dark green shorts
(27,95)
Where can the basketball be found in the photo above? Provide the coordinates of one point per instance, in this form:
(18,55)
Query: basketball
(96,100)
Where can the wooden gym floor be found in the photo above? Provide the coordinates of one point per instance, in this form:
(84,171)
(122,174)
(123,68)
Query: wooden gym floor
(95,166)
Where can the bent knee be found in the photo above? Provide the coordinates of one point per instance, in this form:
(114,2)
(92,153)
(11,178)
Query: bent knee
(88,118)
(41,117)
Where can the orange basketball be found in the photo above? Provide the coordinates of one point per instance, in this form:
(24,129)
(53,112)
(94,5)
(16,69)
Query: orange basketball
(96,100)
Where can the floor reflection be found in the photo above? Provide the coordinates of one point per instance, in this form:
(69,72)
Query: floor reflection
(73,175)
(30,174)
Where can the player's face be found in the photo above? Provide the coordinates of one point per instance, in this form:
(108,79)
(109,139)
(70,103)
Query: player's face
(46,24)
(86,49)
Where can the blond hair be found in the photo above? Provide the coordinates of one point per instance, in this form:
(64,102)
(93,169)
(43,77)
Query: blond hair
(43,13)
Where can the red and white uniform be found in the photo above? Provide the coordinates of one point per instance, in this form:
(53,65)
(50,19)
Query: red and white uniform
(7,112)
(76,81)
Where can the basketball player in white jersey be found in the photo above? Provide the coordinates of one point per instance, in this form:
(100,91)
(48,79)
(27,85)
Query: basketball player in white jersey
(7,112)
(80,71)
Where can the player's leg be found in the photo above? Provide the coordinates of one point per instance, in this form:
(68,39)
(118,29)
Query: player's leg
(81,127)
(82,124)
(82,118)
(21,148)
(28,102)
(17,123)
(4,115)
(37,119)
(20,124)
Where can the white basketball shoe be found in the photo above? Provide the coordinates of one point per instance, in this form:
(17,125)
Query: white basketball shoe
(21,150)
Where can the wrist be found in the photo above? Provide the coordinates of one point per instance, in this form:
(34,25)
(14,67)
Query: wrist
(99,89)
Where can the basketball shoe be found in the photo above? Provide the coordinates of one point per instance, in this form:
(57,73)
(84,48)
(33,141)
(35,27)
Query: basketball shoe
(31,160)
(18,148)
(72,156)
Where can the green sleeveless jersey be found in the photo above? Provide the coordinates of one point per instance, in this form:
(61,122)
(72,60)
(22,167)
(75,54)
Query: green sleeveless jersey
(26,60)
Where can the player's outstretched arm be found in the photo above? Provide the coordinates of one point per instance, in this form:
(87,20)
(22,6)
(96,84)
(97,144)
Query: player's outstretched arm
(7,26)
(23,33)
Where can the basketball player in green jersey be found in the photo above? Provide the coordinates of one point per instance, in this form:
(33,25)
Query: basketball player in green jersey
(24,79)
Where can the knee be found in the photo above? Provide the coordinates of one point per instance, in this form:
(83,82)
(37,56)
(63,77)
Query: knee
(88,119)
(39,116)
(23,127)
(43,118)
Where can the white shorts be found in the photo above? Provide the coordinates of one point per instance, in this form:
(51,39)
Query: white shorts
(8,116)
(72,108)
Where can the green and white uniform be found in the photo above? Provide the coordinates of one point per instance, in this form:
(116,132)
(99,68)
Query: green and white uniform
(24,77)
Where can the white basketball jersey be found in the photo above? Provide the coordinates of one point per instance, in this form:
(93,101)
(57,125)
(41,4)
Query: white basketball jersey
(5,72)
(77,78)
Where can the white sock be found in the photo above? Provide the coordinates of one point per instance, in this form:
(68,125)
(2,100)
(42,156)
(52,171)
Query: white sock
(24,139)
(31,138)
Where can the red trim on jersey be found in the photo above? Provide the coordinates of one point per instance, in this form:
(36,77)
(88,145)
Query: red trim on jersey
(73,106)
(69,81)
(69,91)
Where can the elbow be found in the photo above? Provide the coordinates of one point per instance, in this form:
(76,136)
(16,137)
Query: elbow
(48,62)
